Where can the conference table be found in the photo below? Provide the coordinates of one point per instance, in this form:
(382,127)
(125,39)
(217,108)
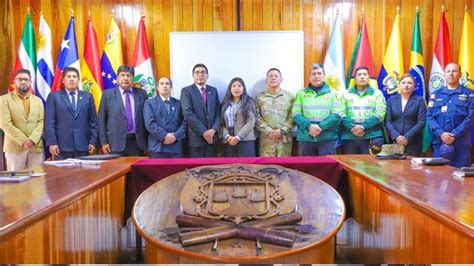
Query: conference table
(404,213)
(400,213)
(72,214)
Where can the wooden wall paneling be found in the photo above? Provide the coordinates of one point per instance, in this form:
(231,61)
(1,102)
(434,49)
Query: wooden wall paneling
(277,15)
(164,58)
(188,15)
(268,13)
(229,15)
(246,15)
(258,15)
(198,23)
(287,15)
(217,12)
(157,40)
(208,15)
(177,13)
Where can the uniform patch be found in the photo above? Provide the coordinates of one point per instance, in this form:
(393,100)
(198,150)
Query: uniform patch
(462,97)
(430,104)
(444,108)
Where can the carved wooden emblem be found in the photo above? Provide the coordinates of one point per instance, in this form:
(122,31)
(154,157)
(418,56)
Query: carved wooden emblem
(238,193)
(256,202)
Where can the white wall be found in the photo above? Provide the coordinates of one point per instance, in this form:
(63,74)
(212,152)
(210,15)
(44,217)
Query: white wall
(237,54)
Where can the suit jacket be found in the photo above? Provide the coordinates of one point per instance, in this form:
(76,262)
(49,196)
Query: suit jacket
(408,123)
(113,119)
(18,127)
(159,122)
(244,129)
(71,130)
(200,117)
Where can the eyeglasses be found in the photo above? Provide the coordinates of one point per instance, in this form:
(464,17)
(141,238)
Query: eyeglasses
(200,73)
(23,79)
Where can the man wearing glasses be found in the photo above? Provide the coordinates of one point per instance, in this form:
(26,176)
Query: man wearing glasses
(201,110)
(23,118)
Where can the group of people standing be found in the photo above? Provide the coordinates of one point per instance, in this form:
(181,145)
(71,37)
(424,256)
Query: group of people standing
(130,124)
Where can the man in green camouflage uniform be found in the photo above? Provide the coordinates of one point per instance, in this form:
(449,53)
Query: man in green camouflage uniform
(365,112)
(317,112)
(274,121)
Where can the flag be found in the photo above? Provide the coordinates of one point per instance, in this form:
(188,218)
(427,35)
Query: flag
(26,58)
(392,67)
(44,71)
(112,56)
(442,56)
(417,70)
(363,57)
(68,55)
(466,60)
(353,57)
(141,61)
(334,62)
(91,71)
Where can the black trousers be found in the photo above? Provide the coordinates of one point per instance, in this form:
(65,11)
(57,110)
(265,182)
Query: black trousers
(131,147)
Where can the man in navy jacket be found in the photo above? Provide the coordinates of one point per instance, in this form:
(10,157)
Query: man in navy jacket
(70,124)
(165,123)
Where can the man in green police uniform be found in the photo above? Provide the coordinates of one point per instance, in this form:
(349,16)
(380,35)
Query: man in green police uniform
(274,119)
(365,112)
(317,112)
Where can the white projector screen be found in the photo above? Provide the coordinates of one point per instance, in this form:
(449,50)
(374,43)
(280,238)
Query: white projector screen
(238,54)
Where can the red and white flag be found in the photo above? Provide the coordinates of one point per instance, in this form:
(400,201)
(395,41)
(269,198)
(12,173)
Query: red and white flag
(442,56)
(141,61)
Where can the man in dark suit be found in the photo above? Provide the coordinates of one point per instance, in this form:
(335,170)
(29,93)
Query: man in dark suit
(201,110)
(70,124)
(165,123)
(121,127)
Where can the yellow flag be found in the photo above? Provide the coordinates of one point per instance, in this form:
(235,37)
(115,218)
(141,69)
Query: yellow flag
(466,60)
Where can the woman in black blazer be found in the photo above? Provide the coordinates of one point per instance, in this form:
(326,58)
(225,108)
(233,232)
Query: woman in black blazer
(406,116)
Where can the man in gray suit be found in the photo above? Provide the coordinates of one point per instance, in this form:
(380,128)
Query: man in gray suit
(121,127)
(201,110)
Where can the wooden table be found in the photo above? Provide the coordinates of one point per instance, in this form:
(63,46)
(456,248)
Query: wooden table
(319,203)
(71,215)
(407,214)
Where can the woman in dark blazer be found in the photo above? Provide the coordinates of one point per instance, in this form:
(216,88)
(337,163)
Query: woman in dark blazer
(406,115)
(238,121)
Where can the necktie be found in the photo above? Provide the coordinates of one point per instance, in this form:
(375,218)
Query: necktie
(73,100)
(128,110)
(204,95)
(167,104)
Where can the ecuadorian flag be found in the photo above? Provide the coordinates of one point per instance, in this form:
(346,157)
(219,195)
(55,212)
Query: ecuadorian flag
(392,67)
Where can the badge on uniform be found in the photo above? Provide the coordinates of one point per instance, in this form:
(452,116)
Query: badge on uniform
(462,97)
(430,104)
(444,108)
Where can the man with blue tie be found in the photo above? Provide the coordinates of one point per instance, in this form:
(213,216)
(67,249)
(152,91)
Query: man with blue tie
(70,123)
(165,123)
(121,127)
(201,110)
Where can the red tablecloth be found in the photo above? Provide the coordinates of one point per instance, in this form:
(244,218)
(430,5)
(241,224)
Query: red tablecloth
(146,172)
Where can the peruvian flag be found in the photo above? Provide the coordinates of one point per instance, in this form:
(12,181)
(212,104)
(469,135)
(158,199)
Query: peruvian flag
(442,56)
(26,58)
(68,56)
(141,61)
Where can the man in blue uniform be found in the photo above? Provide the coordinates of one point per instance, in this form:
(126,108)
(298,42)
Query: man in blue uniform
(450,117)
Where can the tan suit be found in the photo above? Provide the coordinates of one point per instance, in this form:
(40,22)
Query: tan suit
(18,128)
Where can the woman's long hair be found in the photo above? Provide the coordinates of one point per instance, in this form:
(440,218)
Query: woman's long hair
(246,102)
